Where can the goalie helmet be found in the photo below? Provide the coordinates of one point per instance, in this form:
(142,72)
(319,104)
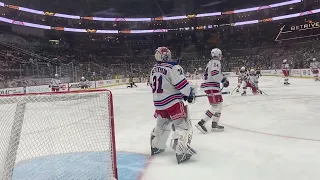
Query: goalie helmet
(252,71)
(216,53)
(82,78)
(242,68)
(314,59)
(284,61)
(162,54)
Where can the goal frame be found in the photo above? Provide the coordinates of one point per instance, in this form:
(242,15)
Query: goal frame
(111,115)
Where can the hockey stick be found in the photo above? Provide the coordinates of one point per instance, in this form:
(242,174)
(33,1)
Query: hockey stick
(280,79)
(262,92)
(234,89)
(206,95)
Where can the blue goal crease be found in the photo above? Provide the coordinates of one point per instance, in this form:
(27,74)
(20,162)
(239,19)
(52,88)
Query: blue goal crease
(85,165)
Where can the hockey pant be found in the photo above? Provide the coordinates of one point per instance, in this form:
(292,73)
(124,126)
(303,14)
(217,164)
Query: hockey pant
(247,84)
(55,89)
(315,73)
(286,75)
(181,138)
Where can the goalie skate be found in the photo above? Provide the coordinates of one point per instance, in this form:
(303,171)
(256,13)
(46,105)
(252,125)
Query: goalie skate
(185,156)
(155,151)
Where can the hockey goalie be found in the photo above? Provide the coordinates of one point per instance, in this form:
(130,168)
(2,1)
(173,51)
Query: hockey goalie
(55,83)
(170,88)
(211,86)
(314,66)
(84,83)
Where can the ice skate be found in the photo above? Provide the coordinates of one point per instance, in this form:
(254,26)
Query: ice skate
(155,151)
(216,127)
(202,127)
(185,156)
(244,93)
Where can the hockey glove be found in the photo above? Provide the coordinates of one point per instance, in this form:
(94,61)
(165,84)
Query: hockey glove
(225,82)
(191,98)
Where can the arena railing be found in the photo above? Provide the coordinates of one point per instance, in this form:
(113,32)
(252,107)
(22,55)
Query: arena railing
(27,24)
(46,13)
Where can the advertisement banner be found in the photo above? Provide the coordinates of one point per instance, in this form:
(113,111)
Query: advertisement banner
(7,91)
(295,72)
(38,89)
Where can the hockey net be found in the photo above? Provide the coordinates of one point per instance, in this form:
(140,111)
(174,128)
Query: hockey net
(63,136)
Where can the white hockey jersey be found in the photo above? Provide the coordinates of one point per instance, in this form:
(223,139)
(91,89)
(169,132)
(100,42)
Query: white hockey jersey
(212,76)
(285,66)
(84,83)
(314,65)
(253,79)
(243,76)
(169,85)
(55,83)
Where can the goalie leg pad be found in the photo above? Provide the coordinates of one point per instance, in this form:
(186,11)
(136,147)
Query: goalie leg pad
(182,139)
(160,135)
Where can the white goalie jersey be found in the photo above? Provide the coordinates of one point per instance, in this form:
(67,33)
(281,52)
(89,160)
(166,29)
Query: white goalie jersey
(314,65)
(212,76)
(55,83)
(84,83)
(169,85)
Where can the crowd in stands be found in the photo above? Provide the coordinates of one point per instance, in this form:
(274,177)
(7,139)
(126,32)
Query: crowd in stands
(101,57)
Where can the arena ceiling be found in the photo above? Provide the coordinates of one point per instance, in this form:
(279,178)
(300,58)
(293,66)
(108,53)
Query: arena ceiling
(137,8)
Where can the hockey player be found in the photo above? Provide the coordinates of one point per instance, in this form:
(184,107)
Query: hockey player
(55,83)
(211,86)
(148,81)
(243,75)
(258,72)
(170,87)
(251,82)
(285,70)
(314,66)
(84,83)
(131,83)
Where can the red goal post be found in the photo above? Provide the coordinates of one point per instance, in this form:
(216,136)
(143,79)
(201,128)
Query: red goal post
(64,134)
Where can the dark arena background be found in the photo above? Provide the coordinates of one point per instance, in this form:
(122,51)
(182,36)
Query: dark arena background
(111,44)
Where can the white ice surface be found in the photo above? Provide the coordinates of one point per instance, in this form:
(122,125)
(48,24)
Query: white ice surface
(275,137)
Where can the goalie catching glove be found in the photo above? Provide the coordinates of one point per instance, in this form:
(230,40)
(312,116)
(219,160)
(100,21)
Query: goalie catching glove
(225,82)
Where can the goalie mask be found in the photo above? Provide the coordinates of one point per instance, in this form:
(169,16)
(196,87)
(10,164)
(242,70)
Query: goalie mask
(163,54)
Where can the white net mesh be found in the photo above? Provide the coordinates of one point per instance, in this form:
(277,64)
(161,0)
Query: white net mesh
(57,136)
